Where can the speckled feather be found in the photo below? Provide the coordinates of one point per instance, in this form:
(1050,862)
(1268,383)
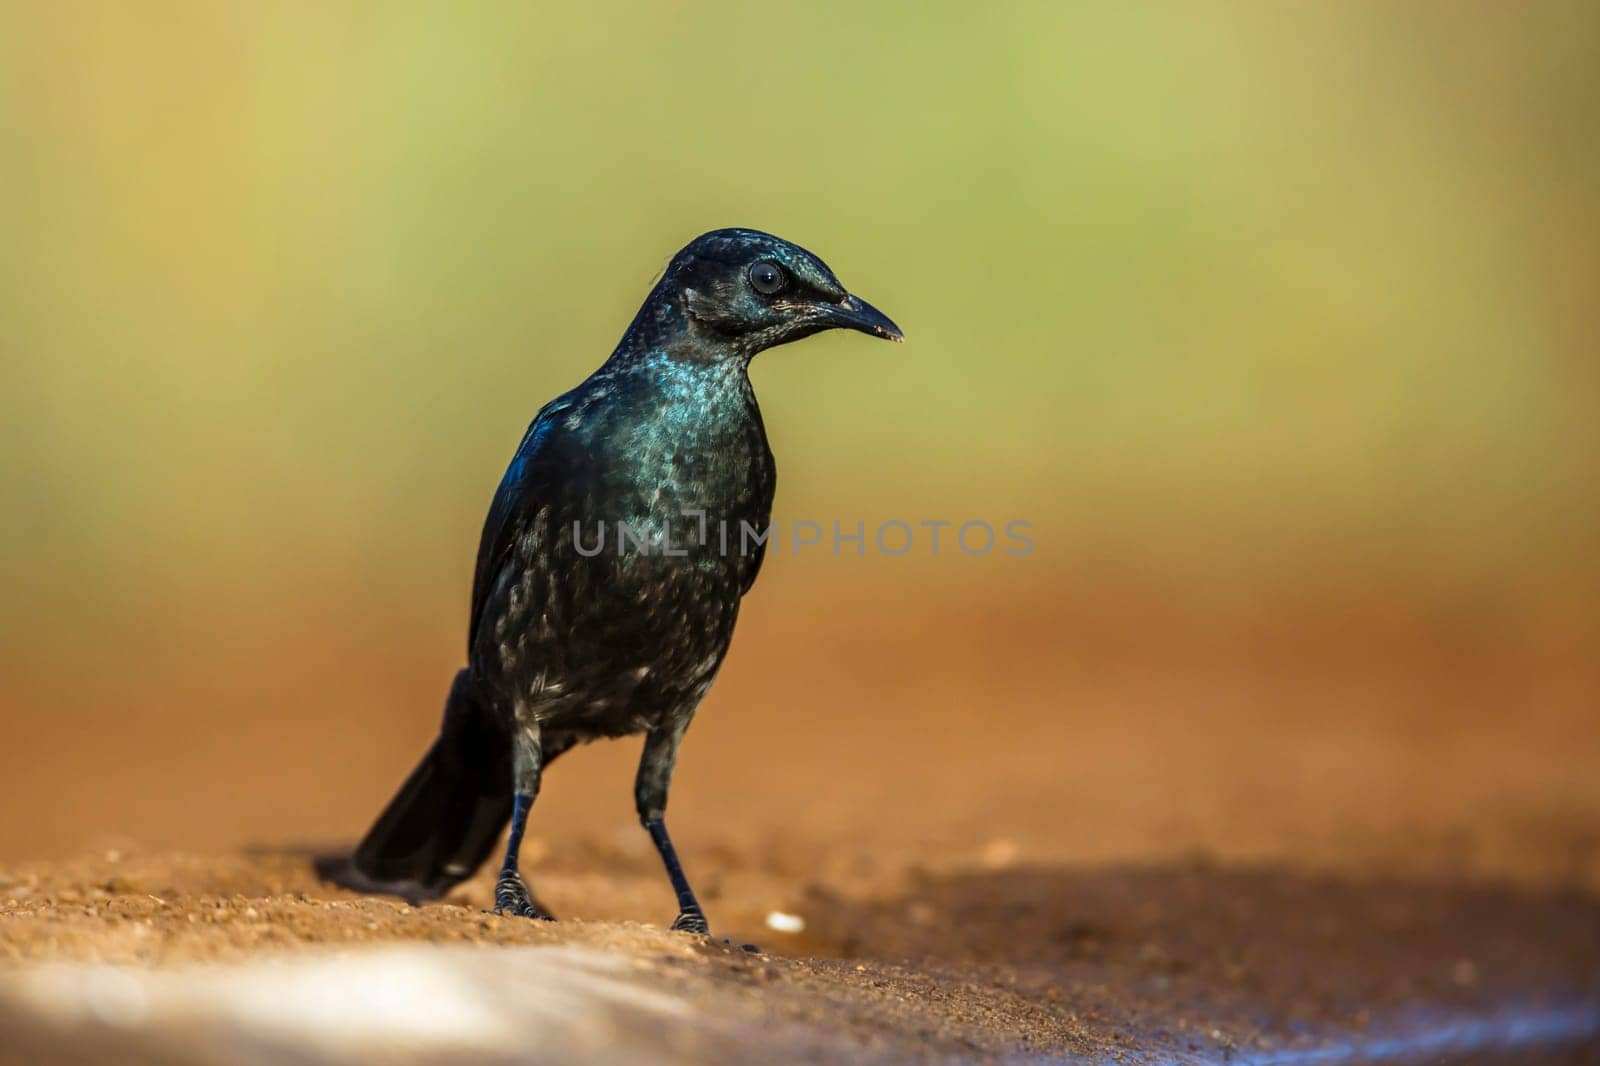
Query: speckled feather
(617,641)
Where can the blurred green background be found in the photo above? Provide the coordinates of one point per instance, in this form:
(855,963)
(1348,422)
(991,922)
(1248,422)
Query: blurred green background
(1255,304)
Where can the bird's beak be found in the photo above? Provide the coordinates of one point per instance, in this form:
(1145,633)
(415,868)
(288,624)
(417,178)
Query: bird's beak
(855,313)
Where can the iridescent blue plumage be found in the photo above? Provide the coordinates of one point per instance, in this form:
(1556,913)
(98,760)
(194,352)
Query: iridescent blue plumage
(659,453)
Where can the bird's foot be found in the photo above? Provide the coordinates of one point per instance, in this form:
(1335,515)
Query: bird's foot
(511,896)
(691,921)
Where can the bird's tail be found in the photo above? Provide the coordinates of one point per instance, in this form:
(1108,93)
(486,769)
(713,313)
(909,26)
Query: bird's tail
(446,818)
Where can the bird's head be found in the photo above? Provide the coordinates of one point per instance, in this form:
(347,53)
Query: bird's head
(745,291)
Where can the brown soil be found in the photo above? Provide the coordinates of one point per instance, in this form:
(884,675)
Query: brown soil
(1153,963)
(1093,831)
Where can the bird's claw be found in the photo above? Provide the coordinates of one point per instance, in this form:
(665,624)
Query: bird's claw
(691,922)
(511,897)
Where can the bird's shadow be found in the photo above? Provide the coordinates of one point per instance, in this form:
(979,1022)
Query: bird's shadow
(1266,952)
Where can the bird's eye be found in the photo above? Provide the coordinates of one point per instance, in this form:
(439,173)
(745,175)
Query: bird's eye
(767,277)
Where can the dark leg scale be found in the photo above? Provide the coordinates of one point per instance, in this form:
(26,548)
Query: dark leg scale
(511,896)
(691,921)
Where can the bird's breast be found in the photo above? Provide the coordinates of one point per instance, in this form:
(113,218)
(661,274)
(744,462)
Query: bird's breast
(695,448)
(620,597)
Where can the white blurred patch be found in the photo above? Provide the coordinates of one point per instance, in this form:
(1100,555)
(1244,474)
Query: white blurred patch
(785,923)
(560,1002)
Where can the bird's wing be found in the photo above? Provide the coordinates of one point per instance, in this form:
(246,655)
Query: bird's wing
(516,501)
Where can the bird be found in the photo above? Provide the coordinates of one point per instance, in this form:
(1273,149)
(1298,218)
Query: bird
(629,525)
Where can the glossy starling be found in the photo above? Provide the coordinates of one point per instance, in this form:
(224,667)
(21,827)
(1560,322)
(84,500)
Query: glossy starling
(631,521)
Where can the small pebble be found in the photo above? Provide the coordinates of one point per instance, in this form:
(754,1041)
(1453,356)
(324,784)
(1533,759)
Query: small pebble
(999,853)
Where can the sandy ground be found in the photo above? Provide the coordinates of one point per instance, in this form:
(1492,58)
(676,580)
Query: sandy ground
(1189,962)
(1106,833)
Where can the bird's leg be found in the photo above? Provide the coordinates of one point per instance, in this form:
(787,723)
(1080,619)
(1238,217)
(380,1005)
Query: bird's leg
(511,895)
(650,793)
